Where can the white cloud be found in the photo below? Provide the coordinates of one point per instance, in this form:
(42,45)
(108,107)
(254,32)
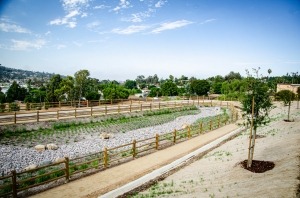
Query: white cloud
(101,7)
(208,21)
(12,28)
(160,3)
(93,24)
(73,8)
(61,46)
(26,45)
(122,5)
(78,44)
(140,16)
(71,5)
(65,20)
(47,33)
(170,26)
(131,29)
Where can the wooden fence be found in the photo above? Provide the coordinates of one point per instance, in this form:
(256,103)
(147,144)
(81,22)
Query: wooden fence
(15,183)
(43,115)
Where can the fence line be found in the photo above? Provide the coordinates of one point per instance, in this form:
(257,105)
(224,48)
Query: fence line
(43,115)
(18,182)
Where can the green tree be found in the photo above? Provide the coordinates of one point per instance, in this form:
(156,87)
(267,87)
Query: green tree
(15,92)
(113,91)
(200,87)
(93,95)
(233,75)
(257,92)
(216,87)
(2,96)
(155,92)
(130,84)
(53,85)
(80,79)
(286,96)
(66,89)
(169,88)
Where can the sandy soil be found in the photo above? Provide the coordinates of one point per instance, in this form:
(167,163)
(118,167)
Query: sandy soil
(218,174)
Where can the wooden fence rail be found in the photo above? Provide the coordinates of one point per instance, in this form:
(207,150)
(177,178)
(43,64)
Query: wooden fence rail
(17,182)
(43,115)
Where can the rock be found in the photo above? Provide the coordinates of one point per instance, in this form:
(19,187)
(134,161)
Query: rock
(106,136)
(44,163)
(57,160)
(110,135)
(30,167)
(217,109)
(184,125)
(40,147)
(179,118)
(52,146)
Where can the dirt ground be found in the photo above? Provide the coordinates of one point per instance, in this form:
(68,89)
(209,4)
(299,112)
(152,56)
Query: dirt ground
(218,174)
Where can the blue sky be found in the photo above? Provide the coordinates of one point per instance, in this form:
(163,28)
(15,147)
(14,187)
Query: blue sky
(120,39)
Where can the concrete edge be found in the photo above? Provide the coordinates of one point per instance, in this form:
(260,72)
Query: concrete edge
(154,174)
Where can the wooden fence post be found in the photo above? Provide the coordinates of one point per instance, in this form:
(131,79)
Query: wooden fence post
(150,106)
(203,100)
(158,105)
(105,157)
(87,103)
(174,140)
(156,141)
(67,169)
(189,131)
(227,105)
(219,122)
(14,184)
(59,104)
(118,108)
(8,106)
(130,107)
(105,109)
(57,114)
(141,107)
(201,129)
(133,148)
(91,111)
(99,103)
(26,106)
(210,124)
(37,116)
(198,99)
(75,112)
(236,116)
(211,103)
(111,101)
(15,118)
(232,115)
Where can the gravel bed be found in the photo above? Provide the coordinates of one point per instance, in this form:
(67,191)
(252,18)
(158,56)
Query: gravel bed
(16,157)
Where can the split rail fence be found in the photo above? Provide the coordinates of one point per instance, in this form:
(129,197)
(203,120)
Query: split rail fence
(62,172)
(17,182)
(43,115)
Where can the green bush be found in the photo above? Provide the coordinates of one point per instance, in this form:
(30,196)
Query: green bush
(2,107)
(14,106)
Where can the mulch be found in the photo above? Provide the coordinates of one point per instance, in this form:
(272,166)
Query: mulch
(258,166)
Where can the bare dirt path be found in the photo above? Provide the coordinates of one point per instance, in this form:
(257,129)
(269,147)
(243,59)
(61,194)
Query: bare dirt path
(112,178)
(218,174)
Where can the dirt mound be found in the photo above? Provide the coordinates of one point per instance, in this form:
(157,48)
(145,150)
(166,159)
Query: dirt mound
(258,166)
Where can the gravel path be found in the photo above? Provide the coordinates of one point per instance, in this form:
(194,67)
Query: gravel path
(15,157)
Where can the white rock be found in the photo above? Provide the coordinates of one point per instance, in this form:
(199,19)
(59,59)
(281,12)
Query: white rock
(52,146)
(57,160)
(40,147)
(30,167)
(184,125)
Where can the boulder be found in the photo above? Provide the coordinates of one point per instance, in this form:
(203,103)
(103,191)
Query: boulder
(179,118)
(185,125)
(106,136)
(110,135)
(44,163)
(52,146)
(57,160)
(40,147)
(30,167)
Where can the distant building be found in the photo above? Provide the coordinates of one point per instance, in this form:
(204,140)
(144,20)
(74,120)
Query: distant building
(290,87)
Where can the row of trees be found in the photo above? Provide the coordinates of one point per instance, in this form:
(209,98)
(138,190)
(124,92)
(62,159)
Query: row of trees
(83,86)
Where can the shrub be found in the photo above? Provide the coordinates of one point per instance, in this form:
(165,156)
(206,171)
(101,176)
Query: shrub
(14,106)
(2,108)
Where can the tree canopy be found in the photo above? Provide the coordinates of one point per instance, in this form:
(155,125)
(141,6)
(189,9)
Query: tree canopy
(200,87)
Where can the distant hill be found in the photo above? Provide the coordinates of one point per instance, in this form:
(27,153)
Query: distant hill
(10,74)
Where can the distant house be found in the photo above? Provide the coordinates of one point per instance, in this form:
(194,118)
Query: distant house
(145,92)
(290,87)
